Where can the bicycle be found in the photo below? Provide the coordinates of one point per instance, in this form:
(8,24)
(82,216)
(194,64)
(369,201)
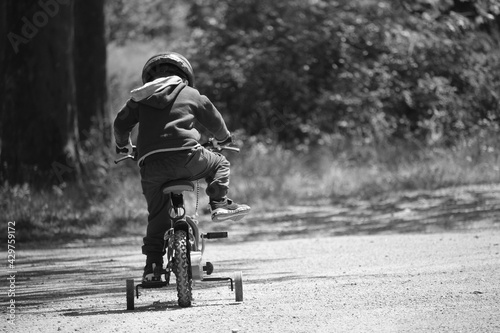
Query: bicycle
(182,246)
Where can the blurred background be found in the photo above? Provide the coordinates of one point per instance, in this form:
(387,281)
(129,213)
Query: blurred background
(328,100)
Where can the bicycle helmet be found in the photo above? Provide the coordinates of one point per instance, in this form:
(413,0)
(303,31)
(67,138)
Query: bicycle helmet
(168,58)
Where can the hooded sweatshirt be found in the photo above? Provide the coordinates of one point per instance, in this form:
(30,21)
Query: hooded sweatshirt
(171,116)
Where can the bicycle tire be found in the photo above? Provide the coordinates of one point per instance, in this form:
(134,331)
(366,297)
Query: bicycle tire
(181,269)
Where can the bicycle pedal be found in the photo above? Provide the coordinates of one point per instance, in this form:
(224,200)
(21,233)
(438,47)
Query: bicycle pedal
(214,235)
(152,284)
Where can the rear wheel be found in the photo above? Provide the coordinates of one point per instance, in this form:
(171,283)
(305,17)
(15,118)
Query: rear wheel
(181,268)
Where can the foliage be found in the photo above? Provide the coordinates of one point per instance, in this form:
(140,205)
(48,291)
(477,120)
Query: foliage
(322,71)
(139,20)
(373,95)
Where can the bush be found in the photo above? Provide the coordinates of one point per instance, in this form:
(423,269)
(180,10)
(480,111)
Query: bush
(297,71)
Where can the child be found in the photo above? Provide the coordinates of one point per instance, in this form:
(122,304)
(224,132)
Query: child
(171,114)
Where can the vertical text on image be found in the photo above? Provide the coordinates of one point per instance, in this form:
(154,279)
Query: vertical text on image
(11,272)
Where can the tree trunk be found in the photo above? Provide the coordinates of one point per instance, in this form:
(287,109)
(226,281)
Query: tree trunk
(90,66)
(39,137)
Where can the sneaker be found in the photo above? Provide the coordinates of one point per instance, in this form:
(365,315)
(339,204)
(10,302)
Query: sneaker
(152,272)
(227,210)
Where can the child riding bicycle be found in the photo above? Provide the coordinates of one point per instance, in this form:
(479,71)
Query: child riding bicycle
(171,115)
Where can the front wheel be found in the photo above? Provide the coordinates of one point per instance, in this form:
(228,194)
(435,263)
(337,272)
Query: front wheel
(181,268)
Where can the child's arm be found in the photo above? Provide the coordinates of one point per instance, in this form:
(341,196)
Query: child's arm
(211,119)
(124,122)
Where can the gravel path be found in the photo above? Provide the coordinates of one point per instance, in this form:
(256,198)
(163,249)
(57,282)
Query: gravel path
(443,280)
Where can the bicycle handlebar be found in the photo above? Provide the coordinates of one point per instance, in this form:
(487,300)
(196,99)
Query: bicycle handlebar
(236,149)
(209,145)
(125,158)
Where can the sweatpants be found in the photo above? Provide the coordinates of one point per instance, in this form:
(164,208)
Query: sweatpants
(157,169)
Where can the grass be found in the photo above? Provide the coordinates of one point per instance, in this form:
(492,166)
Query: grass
(267,177)
(275,176)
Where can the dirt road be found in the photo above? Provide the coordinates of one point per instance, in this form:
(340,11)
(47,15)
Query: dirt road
(384,275)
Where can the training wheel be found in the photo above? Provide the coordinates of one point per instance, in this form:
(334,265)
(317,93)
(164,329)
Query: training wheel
(130,294)
(238,286)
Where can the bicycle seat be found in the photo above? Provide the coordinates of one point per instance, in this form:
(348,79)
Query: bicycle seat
(177,186)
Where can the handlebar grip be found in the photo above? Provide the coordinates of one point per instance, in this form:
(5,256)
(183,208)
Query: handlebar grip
(213,235)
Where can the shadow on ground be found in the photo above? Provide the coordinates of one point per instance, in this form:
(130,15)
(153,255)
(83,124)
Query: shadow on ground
(464,208)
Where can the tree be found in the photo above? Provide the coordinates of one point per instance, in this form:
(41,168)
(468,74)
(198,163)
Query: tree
(41,89)
(90,66)
(140,20)
(307,71)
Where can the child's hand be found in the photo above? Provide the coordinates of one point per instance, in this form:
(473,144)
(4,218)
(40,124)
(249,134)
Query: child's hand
(126,150)
(225,142)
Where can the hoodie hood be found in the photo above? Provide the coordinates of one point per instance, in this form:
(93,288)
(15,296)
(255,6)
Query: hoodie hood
(158,93)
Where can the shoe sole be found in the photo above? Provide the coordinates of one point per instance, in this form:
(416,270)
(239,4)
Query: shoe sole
(230,217)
